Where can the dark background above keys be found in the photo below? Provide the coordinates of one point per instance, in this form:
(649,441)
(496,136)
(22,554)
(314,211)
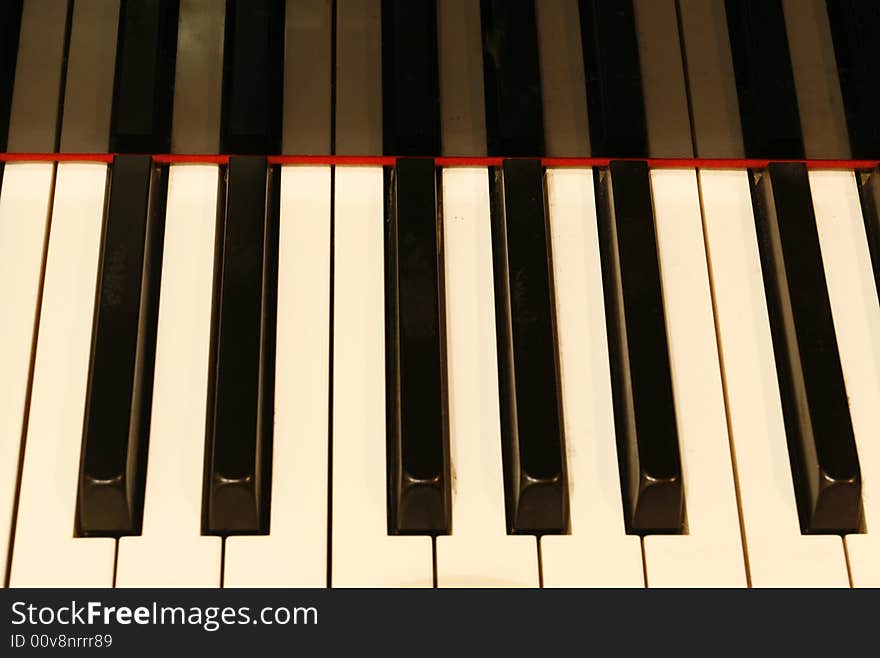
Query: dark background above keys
(374,77)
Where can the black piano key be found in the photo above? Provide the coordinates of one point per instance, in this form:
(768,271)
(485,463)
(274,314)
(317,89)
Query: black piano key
(10,21)
(644,409)
(241,400)
(764,80)
(120,384)
(821,445)
(869,193)
(855,30)
(417,421)
(253,63)
(615,102)
(536,490)
(410,84)
(143,92)
(511,71)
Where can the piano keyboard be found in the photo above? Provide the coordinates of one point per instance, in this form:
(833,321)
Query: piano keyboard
(362,293)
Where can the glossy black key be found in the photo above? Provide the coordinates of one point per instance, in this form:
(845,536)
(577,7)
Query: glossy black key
(644,408)
(615,103)
(410,84)
(855,30)
(143,91)
(416,411)
(253,77)
(764,80)
(120,384)
(10,20)
(821,445)
(535,485)
(869,191)
(241,399)
(511,72)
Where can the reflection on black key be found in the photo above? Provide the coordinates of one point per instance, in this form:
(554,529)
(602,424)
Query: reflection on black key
(644,409)
(616,107)
(417,421)
(855,30)
(10,20)
(241,400)
(120,388)
(764,79)
(821,445)
(411,96)
(143,92)
(514,120)
(253,72)
(528,378)
(869,191)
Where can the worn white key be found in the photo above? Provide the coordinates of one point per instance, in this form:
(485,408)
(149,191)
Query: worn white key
(598,552)
(46,553)
(364,555)
(778,554)
(24,211)
(711,553)
(853,296)
(479,552)
(171,552)
(294,554)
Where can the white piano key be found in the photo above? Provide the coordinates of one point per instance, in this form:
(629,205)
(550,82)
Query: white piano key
(171,552)
(816,82)
(24,211)
(460,54)
(88,79)
(711,553)
(856,313)
(363,554)
(358,78)
(598,552)
(198,77)
(294,554)
(33,114)
(564,103)
(46,553)
(711,82)
(667,119)
(778,554)
(308,75)
(479,552)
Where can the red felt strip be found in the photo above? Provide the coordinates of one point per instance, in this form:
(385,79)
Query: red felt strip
(444,161)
